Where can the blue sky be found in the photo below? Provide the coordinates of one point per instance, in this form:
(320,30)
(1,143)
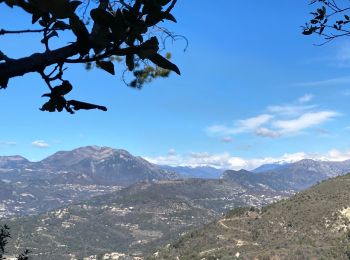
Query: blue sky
(253,90)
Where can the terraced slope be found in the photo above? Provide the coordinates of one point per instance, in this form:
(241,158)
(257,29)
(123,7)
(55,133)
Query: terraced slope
(314,224)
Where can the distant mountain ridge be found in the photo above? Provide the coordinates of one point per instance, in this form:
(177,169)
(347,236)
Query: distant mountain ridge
(87,165)
(202,172)
(292,176)
(270,167)
(70,176)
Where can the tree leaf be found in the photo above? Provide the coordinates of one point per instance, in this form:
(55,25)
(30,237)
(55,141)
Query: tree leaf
(164,63)
(118,26)
(35,18)
(149,48)
(169,17)
(4,82)
(60,25)
(100,39)
(130,62)
(77,105)
(102,17)
(74,5)
(61,9)
(78,27)
(107,66)
(62,89)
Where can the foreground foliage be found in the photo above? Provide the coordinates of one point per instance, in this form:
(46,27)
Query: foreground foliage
(105,32)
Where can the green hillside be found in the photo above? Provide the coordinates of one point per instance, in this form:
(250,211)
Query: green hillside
(314,224)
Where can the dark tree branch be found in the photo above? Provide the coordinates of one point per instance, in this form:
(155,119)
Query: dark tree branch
(117,52)
(2,31)
(120,28)
(36,62)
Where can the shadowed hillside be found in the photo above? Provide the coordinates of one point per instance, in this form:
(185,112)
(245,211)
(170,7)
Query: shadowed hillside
(135,220)
(314,224)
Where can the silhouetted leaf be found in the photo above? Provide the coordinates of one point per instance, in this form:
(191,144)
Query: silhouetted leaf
(149,48)
(4,82)
(74,5)
(77,105)
(118,26)
(62,89)
(130,62)
(107,66)
(61,9)
(35,18)
(48,106)
(102,17)
(169,17)
(164,63)
(60,25)
(100,39)
(78,27)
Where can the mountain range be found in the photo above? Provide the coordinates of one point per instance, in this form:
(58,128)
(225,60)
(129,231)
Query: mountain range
(201,172)
(292,176)
(66,177)
(124,205)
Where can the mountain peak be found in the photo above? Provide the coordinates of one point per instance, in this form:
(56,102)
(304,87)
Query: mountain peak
(9,161)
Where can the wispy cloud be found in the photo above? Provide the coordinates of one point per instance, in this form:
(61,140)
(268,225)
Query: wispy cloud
(241,126)
(280,120)
(326,82)
(306,98)
(305,121)
(289,110)
(342,58)
(172,152)
(265,132)
(40,144)
(7,143)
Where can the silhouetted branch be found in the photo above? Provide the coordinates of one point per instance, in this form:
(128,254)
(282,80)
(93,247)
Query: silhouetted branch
(34,63)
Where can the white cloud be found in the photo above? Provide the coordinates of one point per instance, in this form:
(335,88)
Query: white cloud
(241,126)
(305,121)
(290,110)
(280,120)
(336,155)
(252,123)
(40,144)
(172,152)
(306,98)
(265,132)
(227,161)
